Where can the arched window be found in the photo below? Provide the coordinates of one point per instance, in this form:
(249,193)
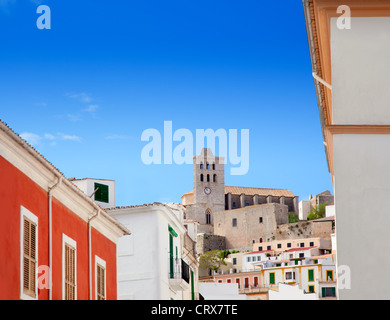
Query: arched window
(208,178)
(213,166)
(214,178)
(201,177)
(201,165)
(207,166)
(208,216)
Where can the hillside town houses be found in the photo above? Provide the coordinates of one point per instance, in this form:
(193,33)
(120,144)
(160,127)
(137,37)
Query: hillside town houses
(65,239)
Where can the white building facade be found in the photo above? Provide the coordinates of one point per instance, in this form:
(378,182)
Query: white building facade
(151,261)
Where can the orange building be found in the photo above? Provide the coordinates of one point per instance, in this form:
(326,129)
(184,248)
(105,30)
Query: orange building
(50,231)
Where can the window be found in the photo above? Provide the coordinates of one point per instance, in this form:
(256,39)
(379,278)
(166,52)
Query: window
(238,282)
(213,166)
(101,193)
(208,178)
(247,204)
(261,240)
(234,260)
(272,278)
(255,281)
(301,255)
(219,281)
(258,258)
(311,275)
(311,289)
(208,216)
(315,261)
(229,280)
(248,259)
(329,292)
(29,255)
(201,165)
(290,275)
(253,258)
(201,177)
(69,258)
(311,244)
(100,278)
(234,222)
(260,248)
(261,220)
(214,178)
(279,245)
(268,247)
(234,204)
(246,282)
(289,245)
(302,244)
(329,275)
(207,166)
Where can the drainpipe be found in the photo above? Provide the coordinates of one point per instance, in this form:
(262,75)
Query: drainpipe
(90,254)
(50,195)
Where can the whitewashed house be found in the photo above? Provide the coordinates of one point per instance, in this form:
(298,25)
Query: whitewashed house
(157,260)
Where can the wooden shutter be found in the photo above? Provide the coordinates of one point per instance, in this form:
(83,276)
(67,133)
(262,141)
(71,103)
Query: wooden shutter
(70,272)
(272,278)
(311,275)
(29,257)
(100,279)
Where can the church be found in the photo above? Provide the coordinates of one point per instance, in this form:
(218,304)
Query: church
(215,206)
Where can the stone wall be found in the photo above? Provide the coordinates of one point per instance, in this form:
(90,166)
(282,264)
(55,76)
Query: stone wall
(305,229)
(209,242)
(250,224)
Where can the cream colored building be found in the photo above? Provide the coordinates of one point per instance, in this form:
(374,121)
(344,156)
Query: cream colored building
(350,49)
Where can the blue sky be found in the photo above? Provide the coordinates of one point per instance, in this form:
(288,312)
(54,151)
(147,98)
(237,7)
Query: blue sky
(83,92)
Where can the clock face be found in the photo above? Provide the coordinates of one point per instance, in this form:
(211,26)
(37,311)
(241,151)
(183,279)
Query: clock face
(207,190)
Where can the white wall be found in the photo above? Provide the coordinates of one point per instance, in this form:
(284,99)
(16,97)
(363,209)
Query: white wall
(361,95)
(304,209)
(290,292)
(330,211)
(360,71)
(220,291)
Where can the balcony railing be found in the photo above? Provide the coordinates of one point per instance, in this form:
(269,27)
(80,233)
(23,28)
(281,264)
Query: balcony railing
(179,269)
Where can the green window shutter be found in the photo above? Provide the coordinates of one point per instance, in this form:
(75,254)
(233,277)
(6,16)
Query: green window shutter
(296,262)
(192,286)
(333,291)
(329,275)
(315,261)
(171,256)
(323,292)
(272,278)
(311,275)
(311,289)
(102,193)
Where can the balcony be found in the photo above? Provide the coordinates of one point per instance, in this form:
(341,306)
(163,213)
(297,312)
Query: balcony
(253,289)
(179,276)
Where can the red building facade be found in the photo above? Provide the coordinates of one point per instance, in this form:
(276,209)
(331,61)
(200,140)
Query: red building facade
(51,232)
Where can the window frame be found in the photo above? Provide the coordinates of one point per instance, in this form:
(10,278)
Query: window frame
(68,241)
(25,213)
(102,263)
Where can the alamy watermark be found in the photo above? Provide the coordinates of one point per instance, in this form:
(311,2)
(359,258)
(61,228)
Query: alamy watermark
(160,150)
(44,20)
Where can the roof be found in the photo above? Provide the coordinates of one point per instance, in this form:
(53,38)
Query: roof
(265,192)
(32,151)
(253,252)
(300,249)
